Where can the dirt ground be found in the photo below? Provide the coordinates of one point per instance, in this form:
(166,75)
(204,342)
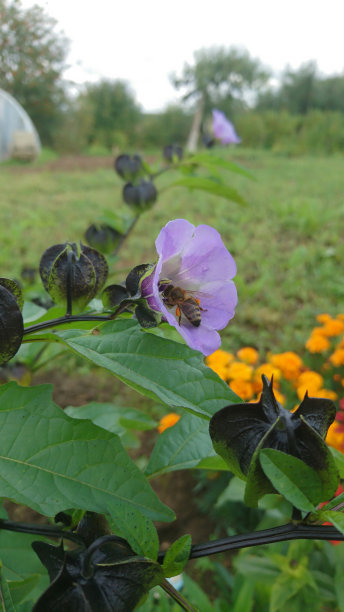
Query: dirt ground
(67,163)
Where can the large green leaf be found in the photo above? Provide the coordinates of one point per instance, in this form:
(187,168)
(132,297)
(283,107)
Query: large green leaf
(136,529)
(181,447)
(210,186)
(51,462)
(159,368)
(209,160)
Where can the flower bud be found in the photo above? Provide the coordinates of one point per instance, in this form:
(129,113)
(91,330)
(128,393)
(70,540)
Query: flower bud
(72,275)
(128,167)
(173,153)
(103,238)
(140,197)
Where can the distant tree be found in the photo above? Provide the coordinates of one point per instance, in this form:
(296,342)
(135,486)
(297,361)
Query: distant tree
(114,111)
(219,77)
(329,94)
(32,58)
(171,126)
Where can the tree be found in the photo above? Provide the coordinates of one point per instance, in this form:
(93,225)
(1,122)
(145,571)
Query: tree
(219,77)
(32,58)
(114,110)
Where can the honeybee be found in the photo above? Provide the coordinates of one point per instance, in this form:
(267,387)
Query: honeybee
(185,303)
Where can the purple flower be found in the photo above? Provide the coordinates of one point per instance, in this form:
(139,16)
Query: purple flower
(191,284)
(223,129)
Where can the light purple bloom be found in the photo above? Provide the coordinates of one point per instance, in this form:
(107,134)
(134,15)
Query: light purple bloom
(223,129)
(196,260)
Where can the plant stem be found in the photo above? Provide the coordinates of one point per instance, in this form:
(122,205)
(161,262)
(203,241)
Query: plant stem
(266,536)
(172,592)
(44,530)
(66,319)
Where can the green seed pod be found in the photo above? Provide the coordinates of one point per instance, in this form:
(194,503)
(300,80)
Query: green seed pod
(72,274)
(240,431)
(103,237)
(11,321)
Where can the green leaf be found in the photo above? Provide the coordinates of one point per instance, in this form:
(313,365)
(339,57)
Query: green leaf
(291,477)
(137,529)
(51,462)
(177,556)
(161,369)
(21,588)
(339,460)
(181,447)
(6,601)
(332,516)
(116,419)
(210,186)
(19,561)
(208,160)
(285,587)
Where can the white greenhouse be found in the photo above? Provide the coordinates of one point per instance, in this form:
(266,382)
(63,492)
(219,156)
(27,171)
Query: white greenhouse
(18,136)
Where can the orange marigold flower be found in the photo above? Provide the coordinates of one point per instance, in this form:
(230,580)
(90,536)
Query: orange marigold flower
(238,370)
(337,358)
(268,370)
(248,354)
(323,317)
(311,378)
(332,327)
(340,317)
(289,363)
(218,361)
(219,358)
(317,343)
(243,388)
(325,393)
(168,420)
(335,437)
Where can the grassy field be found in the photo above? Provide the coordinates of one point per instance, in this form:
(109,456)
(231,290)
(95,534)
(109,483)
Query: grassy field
(288,241)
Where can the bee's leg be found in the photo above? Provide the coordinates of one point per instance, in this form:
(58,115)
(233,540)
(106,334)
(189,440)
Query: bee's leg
(179,314)
(199,305)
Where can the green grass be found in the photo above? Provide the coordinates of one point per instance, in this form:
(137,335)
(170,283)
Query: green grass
(287,242)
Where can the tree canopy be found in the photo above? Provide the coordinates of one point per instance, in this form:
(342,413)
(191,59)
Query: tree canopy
(221,76)
(114,111)
(32,58)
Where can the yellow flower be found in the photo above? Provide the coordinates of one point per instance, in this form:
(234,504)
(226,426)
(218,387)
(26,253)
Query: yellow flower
(337,358)
(243,388)
(248,354)
(239,370)
(317,343)
(289,363)
(168,420)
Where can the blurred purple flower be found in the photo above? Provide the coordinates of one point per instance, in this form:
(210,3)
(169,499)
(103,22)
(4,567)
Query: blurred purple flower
(223,129)
(195,260)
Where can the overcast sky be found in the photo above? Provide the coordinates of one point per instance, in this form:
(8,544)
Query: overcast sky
(143,41)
